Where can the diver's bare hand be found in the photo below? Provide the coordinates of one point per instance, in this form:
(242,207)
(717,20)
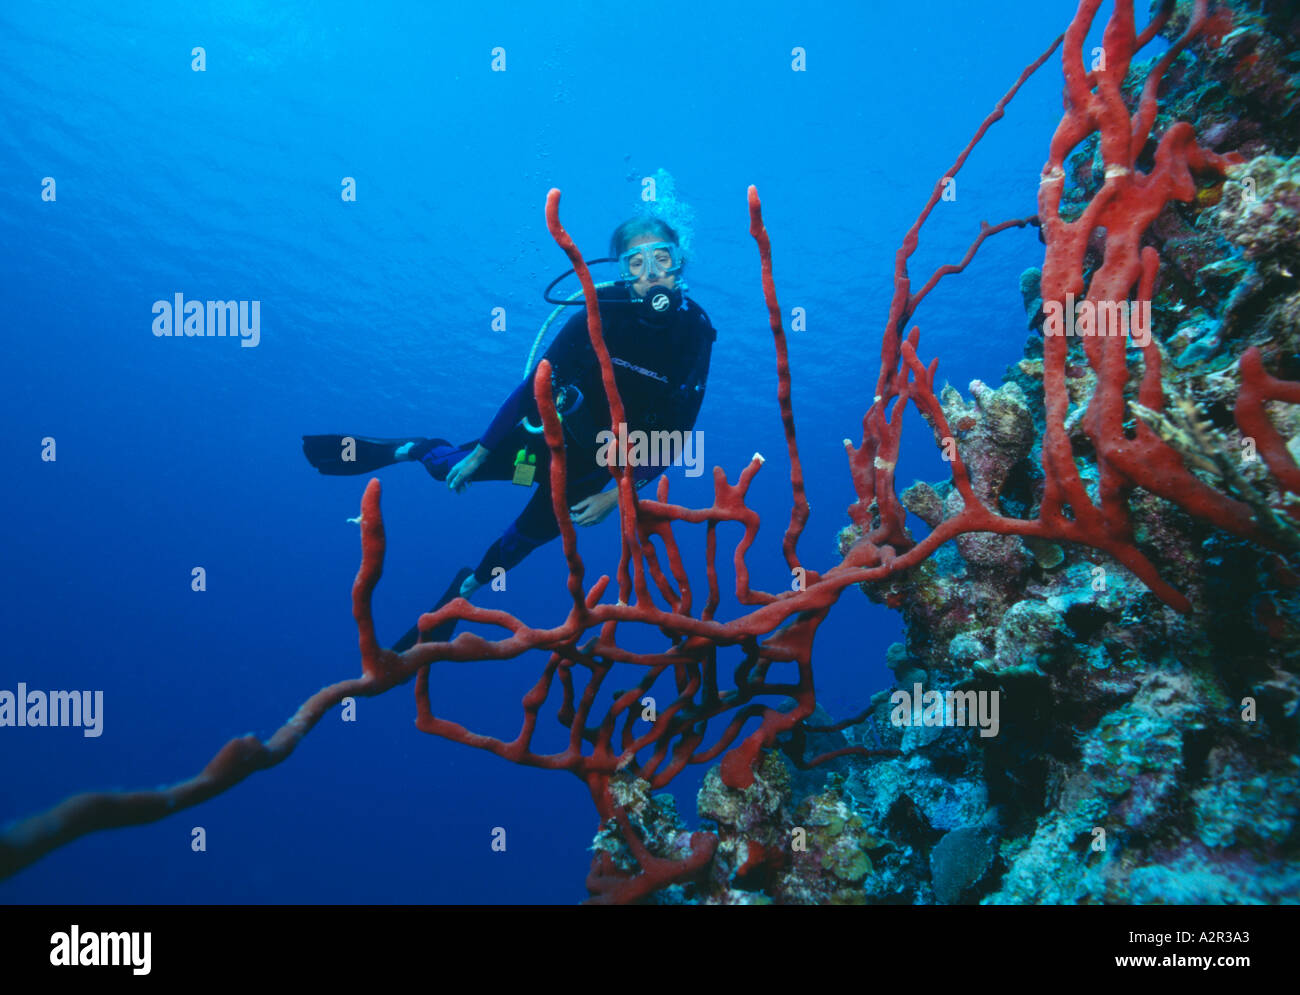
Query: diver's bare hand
(459,478)
(595,509)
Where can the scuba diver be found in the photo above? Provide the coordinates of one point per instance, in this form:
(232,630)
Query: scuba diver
(660,343)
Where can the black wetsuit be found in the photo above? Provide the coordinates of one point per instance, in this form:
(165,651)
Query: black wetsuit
(660,372)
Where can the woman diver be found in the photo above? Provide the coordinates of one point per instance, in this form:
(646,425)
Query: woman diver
(660,343)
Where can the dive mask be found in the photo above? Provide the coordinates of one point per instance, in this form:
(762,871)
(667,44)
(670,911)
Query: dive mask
(650,261)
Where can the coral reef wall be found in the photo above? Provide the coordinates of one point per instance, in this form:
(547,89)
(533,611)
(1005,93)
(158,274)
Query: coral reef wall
(1139,754)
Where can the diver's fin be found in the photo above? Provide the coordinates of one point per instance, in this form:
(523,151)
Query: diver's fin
(441,633)
(348,455)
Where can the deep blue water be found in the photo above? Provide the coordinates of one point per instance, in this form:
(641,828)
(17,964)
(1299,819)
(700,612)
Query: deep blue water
(375,319)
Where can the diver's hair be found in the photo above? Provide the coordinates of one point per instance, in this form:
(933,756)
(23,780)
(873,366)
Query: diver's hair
(636,227)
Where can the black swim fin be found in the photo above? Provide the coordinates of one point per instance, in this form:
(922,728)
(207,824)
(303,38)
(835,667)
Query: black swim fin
(441,633)
(348,455)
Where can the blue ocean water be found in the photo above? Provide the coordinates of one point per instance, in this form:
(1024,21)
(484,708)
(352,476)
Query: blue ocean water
(376,319)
